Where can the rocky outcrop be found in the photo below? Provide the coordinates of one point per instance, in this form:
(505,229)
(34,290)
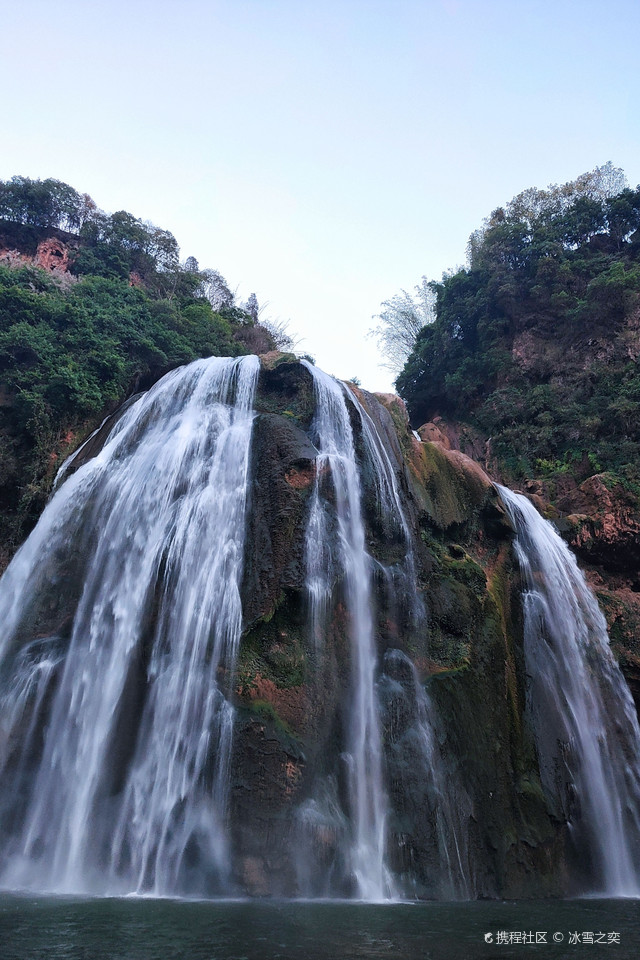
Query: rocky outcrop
(466,647)
(454,435)
(598,517)
(51,254)
(604,526)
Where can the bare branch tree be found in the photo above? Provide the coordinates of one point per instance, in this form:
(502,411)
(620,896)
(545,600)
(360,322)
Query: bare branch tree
(279,333)
(216,290)
(401,319)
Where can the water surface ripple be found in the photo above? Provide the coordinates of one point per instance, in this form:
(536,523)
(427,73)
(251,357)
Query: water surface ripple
(61,928)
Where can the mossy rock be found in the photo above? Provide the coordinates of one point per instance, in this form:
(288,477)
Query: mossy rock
(286,388)
(276,645)
(450,485)
(462,567)
(276,728)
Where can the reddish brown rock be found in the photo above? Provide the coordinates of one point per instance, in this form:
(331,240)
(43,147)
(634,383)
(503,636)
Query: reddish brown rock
(430,433)
(607,529)
(290,703)
(53,255)
(300,477)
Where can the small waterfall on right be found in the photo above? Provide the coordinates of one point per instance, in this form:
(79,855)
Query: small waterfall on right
(584,719)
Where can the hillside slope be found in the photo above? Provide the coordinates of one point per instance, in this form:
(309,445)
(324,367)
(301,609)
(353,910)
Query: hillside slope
(93,307)
(531,367)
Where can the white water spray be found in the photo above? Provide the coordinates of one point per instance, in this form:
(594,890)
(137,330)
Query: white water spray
(334,440)
(584,719)
(131,784)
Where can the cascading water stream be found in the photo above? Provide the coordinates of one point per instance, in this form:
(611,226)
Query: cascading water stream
(582,712)
(130,773)
(334,440)
(391,511)
(441,794)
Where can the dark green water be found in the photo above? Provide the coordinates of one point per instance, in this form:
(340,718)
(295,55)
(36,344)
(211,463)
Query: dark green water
(75,929)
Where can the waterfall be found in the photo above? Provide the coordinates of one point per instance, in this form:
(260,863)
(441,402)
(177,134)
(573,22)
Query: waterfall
(429,779)
(121,622)
(403,576)
(347,554)
(585,723)
(116,738)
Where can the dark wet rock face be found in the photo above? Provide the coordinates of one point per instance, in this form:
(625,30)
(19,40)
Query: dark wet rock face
(283,467)
(466,647)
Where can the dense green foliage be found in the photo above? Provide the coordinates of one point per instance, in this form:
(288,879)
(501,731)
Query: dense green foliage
(43,203)
(74,346)
(73,352)
(536,343)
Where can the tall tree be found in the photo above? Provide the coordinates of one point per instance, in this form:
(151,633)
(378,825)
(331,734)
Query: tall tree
(401,319)
(216,290)
(252,307)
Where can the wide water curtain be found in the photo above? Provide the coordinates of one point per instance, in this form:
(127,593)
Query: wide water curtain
(118,726)
(345,770)
(585,723)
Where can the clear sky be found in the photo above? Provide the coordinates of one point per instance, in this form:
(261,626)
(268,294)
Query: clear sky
(322,154)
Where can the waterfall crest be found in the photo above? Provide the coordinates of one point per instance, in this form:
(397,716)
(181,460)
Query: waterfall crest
(124,787)
(584,719)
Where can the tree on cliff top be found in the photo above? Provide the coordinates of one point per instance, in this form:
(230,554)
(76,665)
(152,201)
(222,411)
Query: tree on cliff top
(401,320)
(530,342)
(73,350)
(43,203)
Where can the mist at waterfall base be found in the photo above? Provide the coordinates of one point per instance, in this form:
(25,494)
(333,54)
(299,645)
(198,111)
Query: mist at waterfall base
(146,541)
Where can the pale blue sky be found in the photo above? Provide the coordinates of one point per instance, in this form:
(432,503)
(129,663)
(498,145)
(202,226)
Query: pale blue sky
(326,154)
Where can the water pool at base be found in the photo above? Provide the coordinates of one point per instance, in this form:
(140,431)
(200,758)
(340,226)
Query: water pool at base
(61,928)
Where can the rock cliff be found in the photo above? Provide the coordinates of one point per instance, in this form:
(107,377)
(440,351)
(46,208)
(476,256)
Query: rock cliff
(600,520)
(467,814)
(466,649)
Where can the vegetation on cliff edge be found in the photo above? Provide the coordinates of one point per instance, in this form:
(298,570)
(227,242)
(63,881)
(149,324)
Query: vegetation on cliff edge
(536,342)
(75,342)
